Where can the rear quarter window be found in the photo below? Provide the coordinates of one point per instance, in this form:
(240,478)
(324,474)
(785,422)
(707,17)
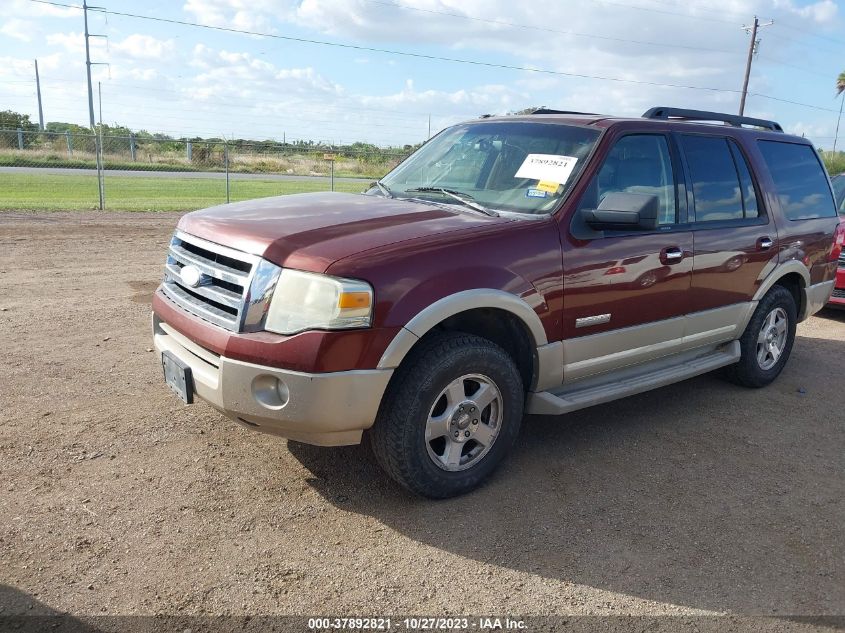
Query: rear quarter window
(801,183)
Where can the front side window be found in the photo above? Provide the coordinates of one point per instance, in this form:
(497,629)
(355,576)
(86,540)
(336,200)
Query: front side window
(518,166)
(638,163)
(800,180)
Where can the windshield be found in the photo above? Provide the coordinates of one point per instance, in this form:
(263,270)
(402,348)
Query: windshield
(499,165)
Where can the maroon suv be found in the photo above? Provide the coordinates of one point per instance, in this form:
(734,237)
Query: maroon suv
(525,264)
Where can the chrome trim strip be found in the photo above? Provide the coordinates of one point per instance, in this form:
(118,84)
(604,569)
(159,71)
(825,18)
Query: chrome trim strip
(259,293)
(208,267)
(202,310)
(258,283)
(217,248)
(217,294)
(597,319)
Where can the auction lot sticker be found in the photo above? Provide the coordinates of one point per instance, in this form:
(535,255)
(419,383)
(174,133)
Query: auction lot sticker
(546,167)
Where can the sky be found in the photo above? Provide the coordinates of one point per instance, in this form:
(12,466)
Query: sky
(350,81)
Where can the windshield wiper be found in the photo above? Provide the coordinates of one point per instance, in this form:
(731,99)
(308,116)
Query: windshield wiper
(385,190)
(463,198)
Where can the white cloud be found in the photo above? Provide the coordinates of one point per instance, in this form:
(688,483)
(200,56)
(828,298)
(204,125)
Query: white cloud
(23,7)
(135,46)
(73,42)
(247,15)
(210,83)
(140,46)
(821,12)
(18,29)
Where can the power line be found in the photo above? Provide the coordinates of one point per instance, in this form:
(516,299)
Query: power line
(592,36)
(238,102)
(804,69)
(781,21)
(449,59)
(812,34)
(653,10)
(371,49)
(587,35)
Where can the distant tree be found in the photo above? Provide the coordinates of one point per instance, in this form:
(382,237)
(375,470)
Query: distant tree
(13,121)
(840,88)
(115,130)
(60,127)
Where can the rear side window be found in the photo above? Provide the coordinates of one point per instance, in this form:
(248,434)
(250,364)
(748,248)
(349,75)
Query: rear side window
(721,183)
(749,195)
(800,180)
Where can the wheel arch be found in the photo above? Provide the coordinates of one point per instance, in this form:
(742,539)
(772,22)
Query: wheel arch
(795,277)
(499,316)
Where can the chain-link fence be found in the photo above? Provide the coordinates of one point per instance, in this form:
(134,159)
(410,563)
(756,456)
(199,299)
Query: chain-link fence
(58,170)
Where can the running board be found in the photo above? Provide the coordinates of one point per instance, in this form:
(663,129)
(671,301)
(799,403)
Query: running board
(631,380)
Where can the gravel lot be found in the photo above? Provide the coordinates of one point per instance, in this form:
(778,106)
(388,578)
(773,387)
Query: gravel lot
(698,498)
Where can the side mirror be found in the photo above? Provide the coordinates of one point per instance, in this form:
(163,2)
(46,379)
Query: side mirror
(623,212)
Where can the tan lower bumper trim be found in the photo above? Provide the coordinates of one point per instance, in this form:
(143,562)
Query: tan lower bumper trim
(327,409)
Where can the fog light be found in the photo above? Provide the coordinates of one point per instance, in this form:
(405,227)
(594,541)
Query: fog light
(270,392)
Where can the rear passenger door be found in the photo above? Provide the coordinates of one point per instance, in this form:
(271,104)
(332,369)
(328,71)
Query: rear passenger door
(735,241)
(626,293)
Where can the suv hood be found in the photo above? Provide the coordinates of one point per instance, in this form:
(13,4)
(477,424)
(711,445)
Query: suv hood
(311,231)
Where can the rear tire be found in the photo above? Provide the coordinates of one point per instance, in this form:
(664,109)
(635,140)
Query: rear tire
(767,340)
(450,414)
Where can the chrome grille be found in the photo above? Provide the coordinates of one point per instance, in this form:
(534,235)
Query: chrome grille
(842,259)
(223,290)
(838,293)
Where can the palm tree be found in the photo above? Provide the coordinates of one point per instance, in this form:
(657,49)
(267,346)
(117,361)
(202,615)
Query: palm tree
(840,88)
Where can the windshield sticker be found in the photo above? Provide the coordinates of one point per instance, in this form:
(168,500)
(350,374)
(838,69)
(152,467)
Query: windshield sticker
(535,193)
(546,167)
(550,187)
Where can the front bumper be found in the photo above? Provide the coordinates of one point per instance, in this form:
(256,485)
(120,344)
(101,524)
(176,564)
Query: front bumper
(327,409)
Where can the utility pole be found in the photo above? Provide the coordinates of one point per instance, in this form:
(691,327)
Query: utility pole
(38,91)
(429,126)
(103,179)
(97,148)
(752,49)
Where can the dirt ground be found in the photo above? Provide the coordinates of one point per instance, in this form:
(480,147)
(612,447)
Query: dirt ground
(698,498)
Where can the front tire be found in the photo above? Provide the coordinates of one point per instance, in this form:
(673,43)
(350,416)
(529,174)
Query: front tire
(767,340)
(450,414)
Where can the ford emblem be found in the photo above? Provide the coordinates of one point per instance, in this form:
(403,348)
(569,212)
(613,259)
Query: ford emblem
(191,276)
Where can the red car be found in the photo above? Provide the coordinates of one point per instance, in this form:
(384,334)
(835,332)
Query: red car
(837,299)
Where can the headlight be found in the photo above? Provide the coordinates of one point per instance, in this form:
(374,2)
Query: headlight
(307,301)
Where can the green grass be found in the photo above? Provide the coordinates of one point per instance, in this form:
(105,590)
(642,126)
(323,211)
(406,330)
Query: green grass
(79,192)
(835,163)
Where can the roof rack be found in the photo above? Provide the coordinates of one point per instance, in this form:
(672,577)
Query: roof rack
(549,111)
(701,115)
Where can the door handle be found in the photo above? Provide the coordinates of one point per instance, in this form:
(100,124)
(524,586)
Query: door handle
(671,255)
(764,243)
